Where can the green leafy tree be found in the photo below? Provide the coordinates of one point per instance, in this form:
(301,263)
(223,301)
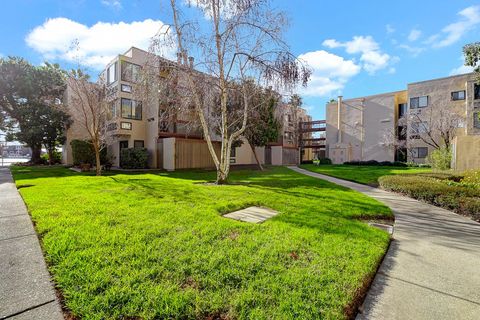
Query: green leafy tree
(263,126)
(28,97)
(472,57)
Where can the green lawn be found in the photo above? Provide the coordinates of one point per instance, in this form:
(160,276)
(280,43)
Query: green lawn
(154,246)
(362,174)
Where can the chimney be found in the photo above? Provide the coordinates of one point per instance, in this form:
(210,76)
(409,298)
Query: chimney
(339,119)
(191,60)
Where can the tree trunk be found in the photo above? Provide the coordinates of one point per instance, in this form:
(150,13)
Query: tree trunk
(221,177)
(36,152)
(50,157)
(256,158)
(98,166)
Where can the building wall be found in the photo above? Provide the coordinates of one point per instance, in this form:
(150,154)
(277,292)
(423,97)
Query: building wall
(466,152)
(439,100)
(363,123)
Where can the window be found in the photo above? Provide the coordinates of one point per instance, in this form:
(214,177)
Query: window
(420,152)
(476,120)
(138,144)
(458,95)
(402,110)
(113,109)
(130,71)
(420,127)
(112,126)
(126,88)
(126,125)
(418,102)
(131,109)
(476,91)
(112,73)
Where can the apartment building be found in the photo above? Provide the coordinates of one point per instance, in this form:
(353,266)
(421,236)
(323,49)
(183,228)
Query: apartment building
(395,126)
(172,144)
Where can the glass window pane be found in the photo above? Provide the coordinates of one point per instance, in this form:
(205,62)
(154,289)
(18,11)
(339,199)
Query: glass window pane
(126,108)
(413,103)
(423,101)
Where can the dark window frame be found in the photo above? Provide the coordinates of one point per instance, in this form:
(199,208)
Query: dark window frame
(476,91)
(419,154)
(130,126)
(124,76)
(109,81)
(131,116)
(417,104)
(136,141)
(455,95)
(476,120)
(126,85)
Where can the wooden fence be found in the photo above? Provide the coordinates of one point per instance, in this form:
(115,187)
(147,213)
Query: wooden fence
(194,153)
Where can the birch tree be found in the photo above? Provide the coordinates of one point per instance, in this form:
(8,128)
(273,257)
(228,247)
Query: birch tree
(238,42)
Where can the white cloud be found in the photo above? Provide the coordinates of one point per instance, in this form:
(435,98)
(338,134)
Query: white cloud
(330,72)
(389,29)
(97,44)
(461,70)
(370,54)
(115,4)
(415,51)
(414,35)
(469,19)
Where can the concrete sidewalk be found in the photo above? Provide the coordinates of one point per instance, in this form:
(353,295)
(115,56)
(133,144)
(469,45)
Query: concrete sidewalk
(25,288)
(432,269)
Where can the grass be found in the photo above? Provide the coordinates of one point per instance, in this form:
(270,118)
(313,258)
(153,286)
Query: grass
(154,246)
(362,174)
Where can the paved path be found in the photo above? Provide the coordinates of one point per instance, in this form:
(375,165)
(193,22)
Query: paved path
(432,269)
(25,288)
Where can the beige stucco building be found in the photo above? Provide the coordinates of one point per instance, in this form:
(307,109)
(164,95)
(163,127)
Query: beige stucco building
(171,145)
(397,126)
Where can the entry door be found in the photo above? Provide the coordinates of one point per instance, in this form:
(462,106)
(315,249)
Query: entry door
(123,145)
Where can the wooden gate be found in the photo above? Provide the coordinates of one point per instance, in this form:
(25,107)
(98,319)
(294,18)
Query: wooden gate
(194,153)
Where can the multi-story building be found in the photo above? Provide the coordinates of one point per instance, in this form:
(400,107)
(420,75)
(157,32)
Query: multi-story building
(173,143)
(405,125)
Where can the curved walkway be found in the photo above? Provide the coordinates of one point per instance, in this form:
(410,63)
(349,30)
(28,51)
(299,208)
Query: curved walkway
(432,269)
(25,288)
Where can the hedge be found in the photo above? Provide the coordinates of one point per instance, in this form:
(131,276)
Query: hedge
(376,163)
(134,158)
(445,192)
(83,153)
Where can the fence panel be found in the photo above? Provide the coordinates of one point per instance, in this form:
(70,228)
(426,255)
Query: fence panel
(194,153)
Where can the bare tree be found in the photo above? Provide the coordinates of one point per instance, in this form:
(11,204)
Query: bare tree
(242,45)
(435,126)
(88,106)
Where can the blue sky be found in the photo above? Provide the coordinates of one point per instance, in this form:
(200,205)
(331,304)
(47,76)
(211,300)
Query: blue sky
(356,48)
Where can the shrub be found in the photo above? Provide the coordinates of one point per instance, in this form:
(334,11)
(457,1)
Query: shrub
(57,157)
(440,159)
(443,192)
(325,161)
(472,177)
(83,153)
(375,163)
(134,158)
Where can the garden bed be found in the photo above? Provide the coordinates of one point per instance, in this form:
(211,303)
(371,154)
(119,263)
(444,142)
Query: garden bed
(451,192)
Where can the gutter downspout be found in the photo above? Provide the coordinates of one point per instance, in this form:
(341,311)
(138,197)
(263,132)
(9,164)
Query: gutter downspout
(339,119)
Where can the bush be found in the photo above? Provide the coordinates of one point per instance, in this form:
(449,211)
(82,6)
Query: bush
(440,159)
(134,158)
(57,157)
(83,153)
(375,163)
(325,161)
(472,177)
(444,192)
